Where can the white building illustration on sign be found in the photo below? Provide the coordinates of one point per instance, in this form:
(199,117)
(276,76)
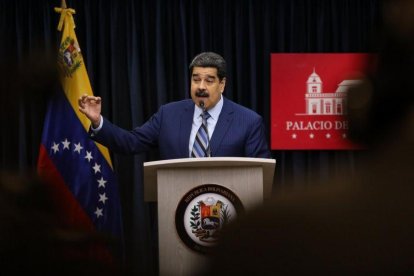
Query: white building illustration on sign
(320,103)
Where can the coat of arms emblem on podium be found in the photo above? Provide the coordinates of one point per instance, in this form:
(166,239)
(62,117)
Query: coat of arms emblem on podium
(202,214)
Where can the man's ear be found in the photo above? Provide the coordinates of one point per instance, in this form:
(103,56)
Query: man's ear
(222,85)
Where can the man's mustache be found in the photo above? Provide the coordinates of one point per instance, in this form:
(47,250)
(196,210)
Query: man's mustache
(201,93)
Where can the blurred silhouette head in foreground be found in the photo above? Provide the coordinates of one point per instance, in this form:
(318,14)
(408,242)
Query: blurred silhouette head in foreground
(380,107)
(35,235)
(32,237)
(353,224)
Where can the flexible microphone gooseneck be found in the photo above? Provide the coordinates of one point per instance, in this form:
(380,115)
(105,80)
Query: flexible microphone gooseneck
(201,103)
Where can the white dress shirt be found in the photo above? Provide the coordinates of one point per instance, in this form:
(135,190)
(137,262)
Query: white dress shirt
(211,122)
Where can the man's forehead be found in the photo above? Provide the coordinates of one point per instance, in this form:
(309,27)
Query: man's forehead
(205,71)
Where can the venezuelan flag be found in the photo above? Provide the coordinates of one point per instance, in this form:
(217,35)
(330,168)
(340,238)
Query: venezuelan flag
(78,170)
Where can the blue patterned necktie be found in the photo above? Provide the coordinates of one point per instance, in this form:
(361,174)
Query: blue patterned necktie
(201,146)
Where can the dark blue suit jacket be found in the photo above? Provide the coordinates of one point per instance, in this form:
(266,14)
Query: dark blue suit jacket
(239,132)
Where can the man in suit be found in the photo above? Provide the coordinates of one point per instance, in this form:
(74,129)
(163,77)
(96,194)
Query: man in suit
(232,130)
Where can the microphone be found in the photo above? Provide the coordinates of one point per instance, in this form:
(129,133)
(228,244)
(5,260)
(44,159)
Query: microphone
(201,103)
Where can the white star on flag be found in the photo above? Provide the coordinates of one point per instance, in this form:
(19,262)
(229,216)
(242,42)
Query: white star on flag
(78,148)
(55,147)
(294,136)
(96,168)
(101,182)
(66,144)
(88,156)
(328,135)
(98,212)
(103,198)
(344,135)
(311,135)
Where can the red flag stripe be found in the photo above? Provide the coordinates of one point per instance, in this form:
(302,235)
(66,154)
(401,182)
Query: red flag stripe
(72,212)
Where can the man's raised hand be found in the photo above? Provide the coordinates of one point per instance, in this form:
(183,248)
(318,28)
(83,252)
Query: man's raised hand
(91,107)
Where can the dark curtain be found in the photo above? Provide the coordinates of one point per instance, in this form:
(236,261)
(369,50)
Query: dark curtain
(137,55)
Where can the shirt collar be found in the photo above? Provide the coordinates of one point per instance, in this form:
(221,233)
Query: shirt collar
(214,112)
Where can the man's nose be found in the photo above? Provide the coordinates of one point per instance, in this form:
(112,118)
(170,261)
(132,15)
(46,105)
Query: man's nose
(202,85)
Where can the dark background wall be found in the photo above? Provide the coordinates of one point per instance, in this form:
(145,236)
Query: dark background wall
(137,55)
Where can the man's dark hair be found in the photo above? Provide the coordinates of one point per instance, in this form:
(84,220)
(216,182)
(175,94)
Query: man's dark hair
(210,59)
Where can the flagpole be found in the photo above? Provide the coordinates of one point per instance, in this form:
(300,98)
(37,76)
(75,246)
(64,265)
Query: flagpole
(74,179)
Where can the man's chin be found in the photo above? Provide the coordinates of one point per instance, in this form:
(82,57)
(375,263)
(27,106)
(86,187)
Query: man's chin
(201,101)
(198,99)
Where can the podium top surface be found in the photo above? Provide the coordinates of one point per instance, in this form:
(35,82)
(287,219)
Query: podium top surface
(211,161)
(150,169)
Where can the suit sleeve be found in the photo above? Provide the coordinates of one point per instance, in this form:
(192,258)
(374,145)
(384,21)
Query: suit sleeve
(136,141)
(256,144)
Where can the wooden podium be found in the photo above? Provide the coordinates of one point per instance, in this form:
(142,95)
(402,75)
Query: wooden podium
(168,181)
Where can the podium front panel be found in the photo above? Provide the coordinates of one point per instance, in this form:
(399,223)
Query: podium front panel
(172,184)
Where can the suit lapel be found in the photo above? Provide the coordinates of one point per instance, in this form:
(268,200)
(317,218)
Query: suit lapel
(222,126)
(186,123)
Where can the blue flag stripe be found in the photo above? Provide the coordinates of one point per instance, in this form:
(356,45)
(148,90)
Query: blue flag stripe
(86,172)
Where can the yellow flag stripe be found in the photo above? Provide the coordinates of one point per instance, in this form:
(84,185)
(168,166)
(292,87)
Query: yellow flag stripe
(77,83)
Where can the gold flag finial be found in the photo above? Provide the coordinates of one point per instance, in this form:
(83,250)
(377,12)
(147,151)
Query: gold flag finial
(63,10)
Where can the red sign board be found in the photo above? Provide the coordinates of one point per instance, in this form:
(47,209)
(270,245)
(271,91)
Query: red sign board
(308,100)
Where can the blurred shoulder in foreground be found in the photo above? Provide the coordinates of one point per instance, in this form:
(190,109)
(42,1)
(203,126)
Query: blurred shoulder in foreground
(33,239)
(360,223)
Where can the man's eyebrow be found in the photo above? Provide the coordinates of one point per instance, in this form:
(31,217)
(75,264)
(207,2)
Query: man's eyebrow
(207,76)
